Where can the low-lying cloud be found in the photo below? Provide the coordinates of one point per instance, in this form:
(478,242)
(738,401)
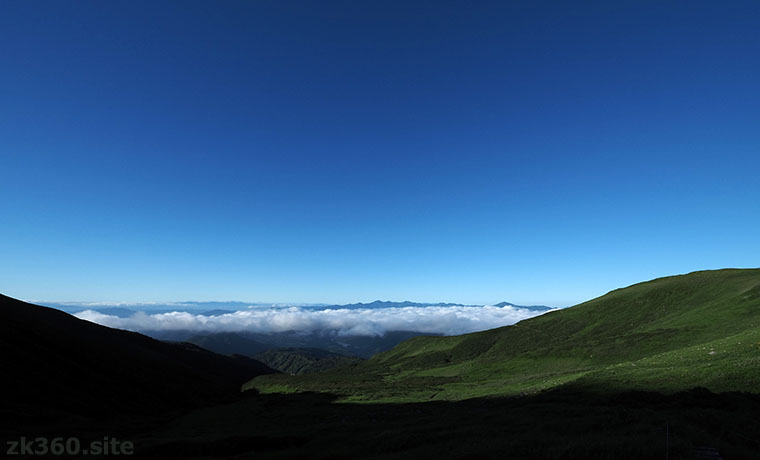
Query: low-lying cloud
(447,320)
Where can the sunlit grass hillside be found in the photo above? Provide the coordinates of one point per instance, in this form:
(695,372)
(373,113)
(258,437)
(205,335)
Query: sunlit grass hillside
(669,334)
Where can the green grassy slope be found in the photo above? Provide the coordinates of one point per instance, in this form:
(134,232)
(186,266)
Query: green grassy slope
(299,361)
(669,334)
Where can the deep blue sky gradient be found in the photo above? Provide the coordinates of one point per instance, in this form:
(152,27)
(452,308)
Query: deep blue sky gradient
(536,152)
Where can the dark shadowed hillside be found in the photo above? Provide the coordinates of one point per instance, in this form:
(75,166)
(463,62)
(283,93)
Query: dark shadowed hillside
(56,366)
(229,343)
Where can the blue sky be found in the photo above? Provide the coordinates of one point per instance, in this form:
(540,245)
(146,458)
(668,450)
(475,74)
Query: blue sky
(535,152)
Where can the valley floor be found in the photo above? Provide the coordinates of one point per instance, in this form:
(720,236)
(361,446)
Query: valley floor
(567,423)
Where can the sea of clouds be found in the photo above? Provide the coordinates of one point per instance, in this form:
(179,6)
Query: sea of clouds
(447,320)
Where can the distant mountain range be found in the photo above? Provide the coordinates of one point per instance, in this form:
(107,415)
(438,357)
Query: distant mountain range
(390,304)
(524,307)
(251,343)
(124,310)
(404,304)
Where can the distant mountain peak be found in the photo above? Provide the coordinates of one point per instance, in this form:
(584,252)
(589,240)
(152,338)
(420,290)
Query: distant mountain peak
(402,304)
(524,307)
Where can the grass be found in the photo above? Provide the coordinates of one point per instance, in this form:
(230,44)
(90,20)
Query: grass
(669,334)
(568,423)
(297,361)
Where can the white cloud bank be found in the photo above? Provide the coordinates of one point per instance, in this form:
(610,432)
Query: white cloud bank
(449,320)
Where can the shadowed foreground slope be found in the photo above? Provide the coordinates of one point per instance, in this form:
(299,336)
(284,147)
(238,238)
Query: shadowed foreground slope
(565,424)
(57,368)
(669,334)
